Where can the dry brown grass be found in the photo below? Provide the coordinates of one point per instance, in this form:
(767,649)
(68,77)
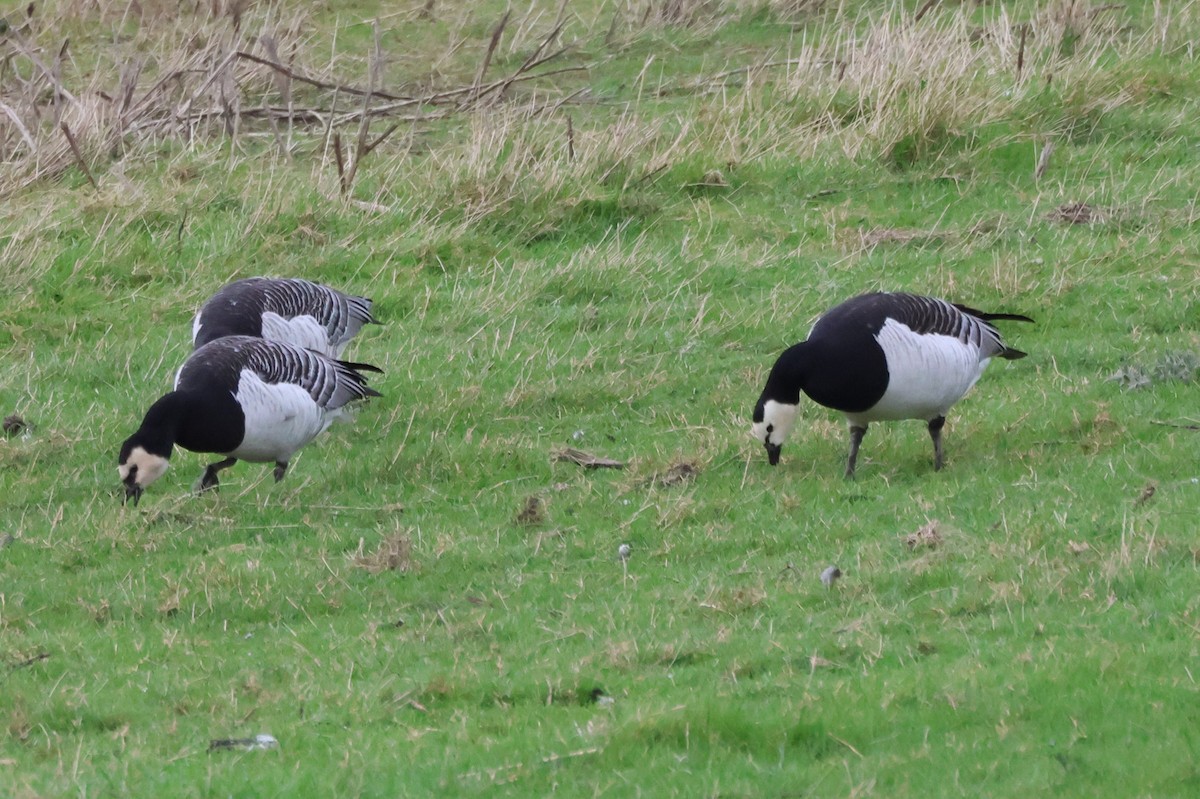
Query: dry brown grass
(217,69)
(226,72)
(394,553)
(872,83)
(927,536)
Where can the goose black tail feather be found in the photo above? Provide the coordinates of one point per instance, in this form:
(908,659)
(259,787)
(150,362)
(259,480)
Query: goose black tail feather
(1009,354)
(1009,317)
(362,367)
(992,317)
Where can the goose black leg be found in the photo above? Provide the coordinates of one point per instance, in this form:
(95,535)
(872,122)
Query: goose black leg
(856,437)
(935,432)
(280,470)
(209,478)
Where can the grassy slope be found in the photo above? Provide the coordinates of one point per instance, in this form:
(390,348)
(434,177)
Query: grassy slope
(611,304)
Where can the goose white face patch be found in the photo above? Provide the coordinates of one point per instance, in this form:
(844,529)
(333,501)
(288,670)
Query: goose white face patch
(776,425)
(144,467)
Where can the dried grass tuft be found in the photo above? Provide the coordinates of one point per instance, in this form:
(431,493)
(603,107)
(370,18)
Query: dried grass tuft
(586,459)
(677,474)
(394,553)
(927,536)
(532,512)
(1079,214)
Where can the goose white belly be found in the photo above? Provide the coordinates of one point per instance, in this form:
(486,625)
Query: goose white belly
(927,374)
(280,419)
(303,331)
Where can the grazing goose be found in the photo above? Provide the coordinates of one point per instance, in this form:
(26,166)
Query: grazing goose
(882,357)
(246,398)
(291,310)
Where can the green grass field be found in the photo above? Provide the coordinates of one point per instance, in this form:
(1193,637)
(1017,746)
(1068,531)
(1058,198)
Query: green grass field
(598,232)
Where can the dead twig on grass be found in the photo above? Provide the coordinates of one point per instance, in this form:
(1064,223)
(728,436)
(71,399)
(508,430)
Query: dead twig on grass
(11,113)
(1044,160)
(339,160)
(924,9)
(214,75)
(462,99)
(586,459)
(497,32)
(29,661)
(362,143)
(321,84)
(59,89)
(1021,51)
(78,155)
(1177,426)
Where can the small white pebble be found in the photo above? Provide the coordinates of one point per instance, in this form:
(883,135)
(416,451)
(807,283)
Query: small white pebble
(830,576)
(578,435)
(264,741)
(623,552)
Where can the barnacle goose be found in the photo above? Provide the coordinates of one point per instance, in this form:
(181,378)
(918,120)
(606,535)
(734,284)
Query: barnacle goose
(283,309)
(246,398)
(882,357)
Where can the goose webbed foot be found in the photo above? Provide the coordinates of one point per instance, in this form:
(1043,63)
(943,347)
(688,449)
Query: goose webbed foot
(209,478)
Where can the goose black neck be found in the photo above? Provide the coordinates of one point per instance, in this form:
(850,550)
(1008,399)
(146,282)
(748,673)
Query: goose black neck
(159,428)
(789,375)
(200,422)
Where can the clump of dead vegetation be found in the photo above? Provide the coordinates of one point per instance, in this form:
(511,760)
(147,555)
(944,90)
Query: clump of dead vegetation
(927,536)
(228,69)
(586,459)
(889,81)
(394,553)
(1182,366)
(1079,214)
(533,511)
(678,473)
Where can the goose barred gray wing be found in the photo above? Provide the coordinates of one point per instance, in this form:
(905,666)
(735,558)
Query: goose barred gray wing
(341,314)
(241,309)
(933,316)
(330,383)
